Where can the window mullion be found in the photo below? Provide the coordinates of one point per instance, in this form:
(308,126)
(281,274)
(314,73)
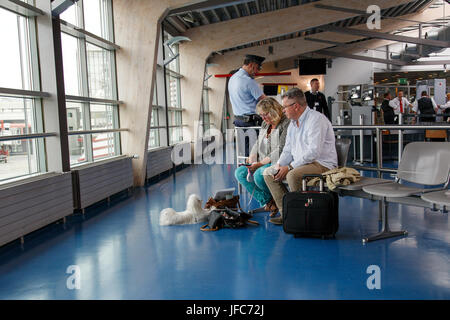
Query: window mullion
(85,92)
(36,86)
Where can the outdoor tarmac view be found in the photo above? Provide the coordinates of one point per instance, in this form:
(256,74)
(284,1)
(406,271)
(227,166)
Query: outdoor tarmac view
(225,158)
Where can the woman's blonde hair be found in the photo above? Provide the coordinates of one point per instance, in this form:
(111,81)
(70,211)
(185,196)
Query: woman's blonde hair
(271,106)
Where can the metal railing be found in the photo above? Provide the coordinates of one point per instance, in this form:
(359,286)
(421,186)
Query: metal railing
(379,140)
(28,136)
(238,142)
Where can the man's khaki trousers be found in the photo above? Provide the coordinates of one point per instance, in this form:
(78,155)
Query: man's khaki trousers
(294,180)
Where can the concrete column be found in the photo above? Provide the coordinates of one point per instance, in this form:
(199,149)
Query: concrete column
(137,30)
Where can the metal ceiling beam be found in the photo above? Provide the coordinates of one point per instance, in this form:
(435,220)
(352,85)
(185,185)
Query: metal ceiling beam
(177,24)
(205,17)
(59,6)
(170,29)
(378,60)
(357,57)
(387,36)
(428,63)
(258,9)
(237,10)
(216,15)
(206,5)
(248,8)
(326,41)
(227,13)
(360,12)
(353,45)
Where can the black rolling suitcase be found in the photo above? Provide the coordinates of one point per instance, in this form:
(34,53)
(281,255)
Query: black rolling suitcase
(311,213)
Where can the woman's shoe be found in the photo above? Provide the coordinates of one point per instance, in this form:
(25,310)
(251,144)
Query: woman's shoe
(268,205)
(272,207)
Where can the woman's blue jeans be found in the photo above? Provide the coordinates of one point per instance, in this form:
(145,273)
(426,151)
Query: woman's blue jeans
(259,188)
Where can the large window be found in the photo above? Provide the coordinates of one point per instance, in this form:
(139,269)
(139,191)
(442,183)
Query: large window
(89,79)
(21,153)
(154,138)
(175,110)
(167,111)
(205,113)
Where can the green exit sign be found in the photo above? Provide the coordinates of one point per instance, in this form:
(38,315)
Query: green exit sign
(402,81)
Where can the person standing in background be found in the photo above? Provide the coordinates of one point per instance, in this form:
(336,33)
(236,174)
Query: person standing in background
(400,104)
(388,111)
(426,107)
(316,100)
(244,93)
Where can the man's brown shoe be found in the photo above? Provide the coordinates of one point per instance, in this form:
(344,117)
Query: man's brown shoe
(277,220)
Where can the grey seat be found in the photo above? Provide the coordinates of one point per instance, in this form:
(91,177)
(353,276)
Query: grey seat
(441,198)
(424,163)
(365,181)
(392,189)
(342,147)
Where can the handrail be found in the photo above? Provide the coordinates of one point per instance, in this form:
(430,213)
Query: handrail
(392,127)
(28,136)
(379,141)
(83,132)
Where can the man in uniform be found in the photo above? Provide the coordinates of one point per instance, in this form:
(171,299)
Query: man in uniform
(245,93)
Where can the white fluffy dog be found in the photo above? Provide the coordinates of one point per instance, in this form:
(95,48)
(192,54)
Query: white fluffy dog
(194,213)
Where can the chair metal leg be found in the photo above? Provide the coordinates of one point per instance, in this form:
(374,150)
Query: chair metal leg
(260,209)
(380,211)
(385,231)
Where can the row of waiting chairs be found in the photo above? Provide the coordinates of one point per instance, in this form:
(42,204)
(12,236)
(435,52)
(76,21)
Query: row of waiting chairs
(422,163)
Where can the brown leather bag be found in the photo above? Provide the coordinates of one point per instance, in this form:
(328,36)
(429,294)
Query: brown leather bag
(232,203)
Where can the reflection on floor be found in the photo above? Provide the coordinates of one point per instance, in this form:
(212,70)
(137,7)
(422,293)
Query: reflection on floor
(122,253)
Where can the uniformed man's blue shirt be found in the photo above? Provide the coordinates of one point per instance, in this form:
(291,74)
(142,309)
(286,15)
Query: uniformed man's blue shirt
(244,93)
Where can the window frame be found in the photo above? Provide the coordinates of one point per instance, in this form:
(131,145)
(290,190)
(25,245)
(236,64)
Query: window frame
(28,13)
(84,38)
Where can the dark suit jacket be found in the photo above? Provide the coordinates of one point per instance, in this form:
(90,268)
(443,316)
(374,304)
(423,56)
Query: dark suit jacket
(320,98)
(388,112)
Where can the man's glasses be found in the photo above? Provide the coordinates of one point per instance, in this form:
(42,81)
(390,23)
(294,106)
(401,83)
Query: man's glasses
(285,107)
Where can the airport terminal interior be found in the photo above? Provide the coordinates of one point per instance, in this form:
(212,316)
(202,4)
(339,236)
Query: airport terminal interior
(113,110)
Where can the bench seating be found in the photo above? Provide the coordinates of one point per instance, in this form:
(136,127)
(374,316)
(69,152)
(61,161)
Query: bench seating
(441,198)
(423,163)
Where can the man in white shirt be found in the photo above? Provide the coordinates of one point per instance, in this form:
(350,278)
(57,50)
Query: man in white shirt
(309,148)
(400,103)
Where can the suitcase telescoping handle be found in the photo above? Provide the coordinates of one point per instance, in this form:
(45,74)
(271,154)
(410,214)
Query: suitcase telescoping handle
(321,179)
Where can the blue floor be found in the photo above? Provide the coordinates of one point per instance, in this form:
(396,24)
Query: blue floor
(123,253)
